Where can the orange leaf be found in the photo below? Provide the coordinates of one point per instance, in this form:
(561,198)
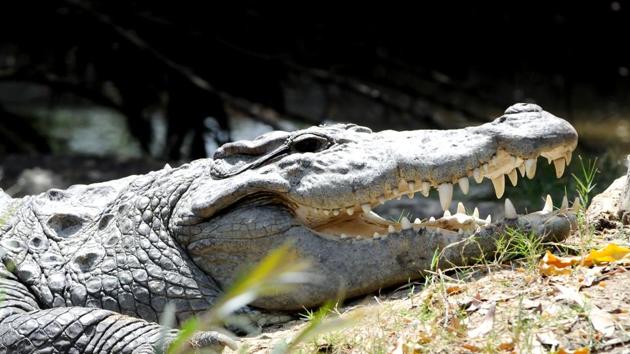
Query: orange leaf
(455,289)
(471,347)
(610,253)
(549,270)
(506,347)
(560,262)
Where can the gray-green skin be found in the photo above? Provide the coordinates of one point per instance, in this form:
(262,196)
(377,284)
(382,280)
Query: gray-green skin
(91,268)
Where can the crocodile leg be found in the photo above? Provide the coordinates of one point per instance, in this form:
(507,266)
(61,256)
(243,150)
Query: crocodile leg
(27,328)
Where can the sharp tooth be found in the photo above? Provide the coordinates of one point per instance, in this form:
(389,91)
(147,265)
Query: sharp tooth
(381,199)
(366,208)
(513,175)
(549,160)
(522,169)
(559,164)
(376,235)
(405,224)
(567,157)
(350,211)
(343,236)
(417,221)
(167,167)
(463,184)
(446,213)
(412,187)
(510,211)
(391,229)
(476,213)
(477,175)
(530,168)
(426,187)
(484,168)
(326,212)
(565,203)
(548,208)
(395,192)
(460,208)
(374,217)
(431,219)
(336,212)
(445,191)
(576,204)
(499,185)
(489,219)
(358,237)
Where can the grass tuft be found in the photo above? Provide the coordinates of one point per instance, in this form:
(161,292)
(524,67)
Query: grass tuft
(517,243)
(585,181)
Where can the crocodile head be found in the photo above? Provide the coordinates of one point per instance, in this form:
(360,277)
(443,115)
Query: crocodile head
(316,188)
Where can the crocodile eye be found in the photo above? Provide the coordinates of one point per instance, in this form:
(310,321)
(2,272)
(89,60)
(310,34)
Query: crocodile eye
(309,143)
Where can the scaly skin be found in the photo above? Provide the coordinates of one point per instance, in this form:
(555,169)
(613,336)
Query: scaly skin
(90,269)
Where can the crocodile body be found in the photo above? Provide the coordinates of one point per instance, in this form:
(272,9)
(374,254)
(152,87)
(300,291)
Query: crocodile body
(91,268)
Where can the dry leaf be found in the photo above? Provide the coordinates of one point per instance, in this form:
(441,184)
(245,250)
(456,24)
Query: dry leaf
(455,325)
(530,304)
(411,348)
(577,351)
(536,348)
(475,304)
(454,289)
(602,321)
(548,338)
(591,275)
(551,310)
(506,346)
(487,323)
(399,346)
(471,347)
(570,294)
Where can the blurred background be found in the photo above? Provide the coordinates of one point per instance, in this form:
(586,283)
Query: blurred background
(96,90)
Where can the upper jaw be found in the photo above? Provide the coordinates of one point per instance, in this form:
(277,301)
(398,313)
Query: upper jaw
(508,146)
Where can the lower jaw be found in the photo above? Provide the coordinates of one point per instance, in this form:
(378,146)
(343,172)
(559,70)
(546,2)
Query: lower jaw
(354,267)
(370,226)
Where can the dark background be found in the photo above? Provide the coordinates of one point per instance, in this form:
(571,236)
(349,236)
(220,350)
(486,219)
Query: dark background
(179,78)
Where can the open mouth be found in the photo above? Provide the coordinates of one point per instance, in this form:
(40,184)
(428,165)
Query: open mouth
(359,221)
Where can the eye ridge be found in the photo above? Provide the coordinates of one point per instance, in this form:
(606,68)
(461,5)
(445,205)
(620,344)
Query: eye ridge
(311,143)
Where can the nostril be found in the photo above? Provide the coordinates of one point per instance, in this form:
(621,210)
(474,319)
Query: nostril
(502,119)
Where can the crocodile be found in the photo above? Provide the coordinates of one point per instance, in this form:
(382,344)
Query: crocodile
(92,268)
